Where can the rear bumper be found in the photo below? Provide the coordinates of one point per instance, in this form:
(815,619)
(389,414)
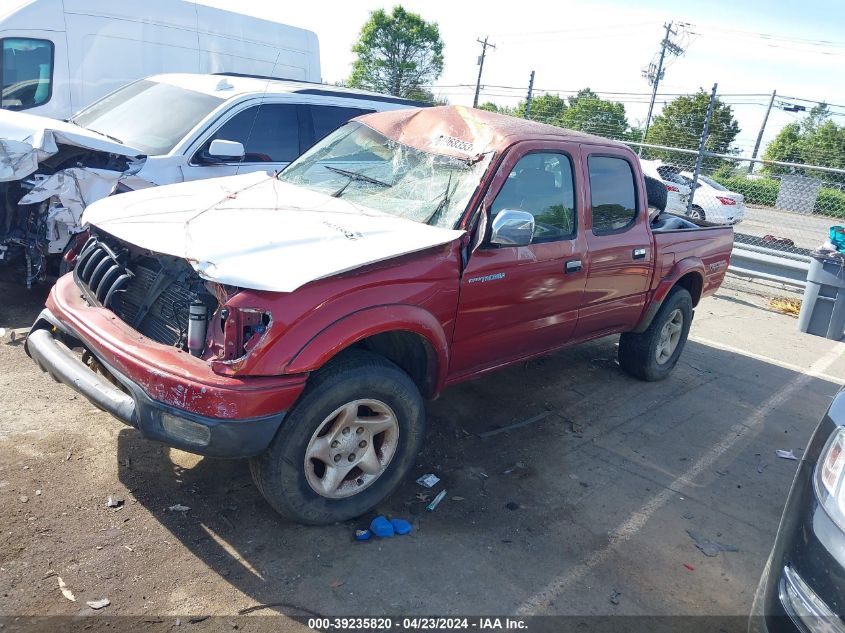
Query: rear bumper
(725,214)
(50,345)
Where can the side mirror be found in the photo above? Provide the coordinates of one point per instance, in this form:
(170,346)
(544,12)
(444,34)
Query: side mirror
(225,151)
(512,227)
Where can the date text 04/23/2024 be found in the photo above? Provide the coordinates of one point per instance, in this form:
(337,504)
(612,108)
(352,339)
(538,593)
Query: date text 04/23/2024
(416,624)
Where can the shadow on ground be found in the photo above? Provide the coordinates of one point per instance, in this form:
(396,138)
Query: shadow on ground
(523,506)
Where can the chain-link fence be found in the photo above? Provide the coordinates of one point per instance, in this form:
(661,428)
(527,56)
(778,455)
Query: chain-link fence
(781,211)
(783,207)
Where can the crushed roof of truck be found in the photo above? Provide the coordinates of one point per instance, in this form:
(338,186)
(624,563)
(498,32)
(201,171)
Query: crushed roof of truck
(466,132)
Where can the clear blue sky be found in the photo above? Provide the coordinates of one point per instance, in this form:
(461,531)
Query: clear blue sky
(605,44)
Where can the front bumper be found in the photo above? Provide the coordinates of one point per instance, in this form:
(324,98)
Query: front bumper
(50,344)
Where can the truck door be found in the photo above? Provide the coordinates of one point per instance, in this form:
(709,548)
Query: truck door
(620,258)
(517,301)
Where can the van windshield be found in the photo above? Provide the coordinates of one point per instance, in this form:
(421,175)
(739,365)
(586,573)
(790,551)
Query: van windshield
(26,73)
(150,116)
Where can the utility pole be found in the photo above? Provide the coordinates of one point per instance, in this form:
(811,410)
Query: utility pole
(762,129)
(654,75)
(705,132)
(528,98)
(484,46)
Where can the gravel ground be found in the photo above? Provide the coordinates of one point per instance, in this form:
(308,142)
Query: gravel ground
(584,511)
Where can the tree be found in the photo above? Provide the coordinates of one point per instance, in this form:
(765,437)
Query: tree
(398,54)
(490,107)
(589,113)
(825,146)
(816,140)
(547,108)
(817,115)
(787,146)
(680,125)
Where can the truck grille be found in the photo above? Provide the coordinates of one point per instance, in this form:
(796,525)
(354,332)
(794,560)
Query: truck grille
(150,294)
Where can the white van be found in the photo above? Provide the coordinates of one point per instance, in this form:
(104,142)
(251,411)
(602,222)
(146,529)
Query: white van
(61,55)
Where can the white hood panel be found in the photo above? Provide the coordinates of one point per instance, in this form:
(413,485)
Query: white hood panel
(27,139)
(254,231)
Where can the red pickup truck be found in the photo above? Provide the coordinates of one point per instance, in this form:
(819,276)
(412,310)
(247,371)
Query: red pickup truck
(300,320)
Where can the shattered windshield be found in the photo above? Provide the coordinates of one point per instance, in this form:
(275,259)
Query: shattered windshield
(149,115)
(360,165)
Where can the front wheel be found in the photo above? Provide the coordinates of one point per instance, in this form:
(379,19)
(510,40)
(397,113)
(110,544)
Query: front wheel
(653,354)
(347,443)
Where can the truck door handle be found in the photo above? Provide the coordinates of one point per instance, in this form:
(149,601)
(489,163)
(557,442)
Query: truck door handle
(639,253)
(573,265)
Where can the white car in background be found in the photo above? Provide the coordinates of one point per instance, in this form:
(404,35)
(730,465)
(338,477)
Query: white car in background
(715,203)
(677,191)
(156,131)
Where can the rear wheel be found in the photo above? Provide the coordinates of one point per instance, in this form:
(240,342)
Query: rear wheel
(697,213)
(653,354)
(346,444)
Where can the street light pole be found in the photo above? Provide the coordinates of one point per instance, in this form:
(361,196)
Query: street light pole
(762,129)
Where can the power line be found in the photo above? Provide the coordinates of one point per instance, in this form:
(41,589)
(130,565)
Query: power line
(609,27)
(769,36)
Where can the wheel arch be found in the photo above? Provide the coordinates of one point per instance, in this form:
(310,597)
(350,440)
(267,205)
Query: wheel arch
(408,336)
(688,274)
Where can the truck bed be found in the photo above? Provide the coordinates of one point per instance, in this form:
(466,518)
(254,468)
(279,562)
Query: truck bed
(710,245)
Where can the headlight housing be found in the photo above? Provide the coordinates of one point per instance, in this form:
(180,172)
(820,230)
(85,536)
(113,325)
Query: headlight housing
(828,478)
(242,330)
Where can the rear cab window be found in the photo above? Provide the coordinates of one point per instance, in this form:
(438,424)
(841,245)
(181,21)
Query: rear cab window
(613,194)
(26,75)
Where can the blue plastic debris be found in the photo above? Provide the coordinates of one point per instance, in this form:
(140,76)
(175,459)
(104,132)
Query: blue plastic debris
(837,237)
(401,526)
(381,527)
(363,535)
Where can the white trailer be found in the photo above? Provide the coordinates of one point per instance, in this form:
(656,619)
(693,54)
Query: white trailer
(58,56)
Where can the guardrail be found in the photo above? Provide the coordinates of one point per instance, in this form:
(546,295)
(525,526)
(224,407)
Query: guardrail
(749,260)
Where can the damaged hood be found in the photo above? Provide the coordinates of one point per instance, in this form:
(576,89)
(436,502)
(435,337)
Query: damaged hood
(254,231)
(28,139)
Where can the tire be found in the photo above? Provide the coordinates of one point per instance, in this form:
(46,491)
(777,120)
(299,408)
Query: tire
(64,267)
(374,389)
(697,213)
(638,353)
(656,193)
